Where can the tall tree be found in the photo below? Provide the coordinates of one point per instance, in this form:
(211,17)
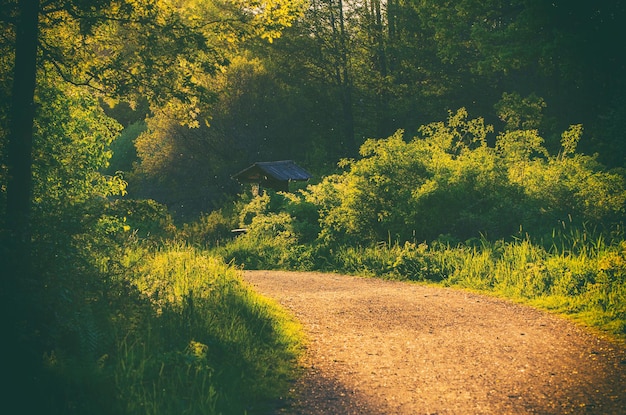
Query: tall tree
(21,116)
(17,234)
(324,43)
(158,48)
(333,40)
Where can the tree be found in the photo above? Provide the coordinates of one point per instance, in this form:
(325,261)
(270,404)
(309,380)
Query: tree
(21,128)
(18,207)
(157,49)
(332,44)
(71,146)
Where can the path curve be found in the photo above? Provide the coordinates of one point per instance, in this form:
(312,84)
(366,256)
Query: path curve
(383,347)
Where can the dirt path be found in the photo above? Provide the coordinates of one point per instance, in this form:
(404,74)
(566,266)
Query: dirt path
(380,347)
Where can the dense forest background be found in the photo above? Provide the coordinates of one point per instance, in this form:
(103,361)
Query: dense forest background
(340,73)
(347,71)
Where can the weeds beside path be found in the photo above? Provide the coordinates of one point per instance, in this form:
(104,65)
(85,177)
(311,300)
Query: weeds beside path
(382,347)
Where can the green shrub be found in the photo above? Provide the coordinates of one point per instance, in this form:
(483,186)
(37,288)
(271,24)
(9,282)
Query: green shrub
(147,218)
(450,181)
(210,230)
(251,253)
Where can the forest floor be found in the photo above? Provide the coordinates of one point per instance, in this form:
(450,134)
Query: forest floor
(382,347)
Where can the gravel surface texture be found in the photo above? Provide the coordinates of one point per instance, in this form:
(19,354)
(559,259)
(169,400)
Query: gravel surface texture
(383,347)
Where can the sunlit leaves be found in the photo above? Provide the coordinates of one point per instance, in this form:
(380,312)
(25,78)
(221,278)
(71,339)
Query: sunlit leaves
(159,48)
(520,145)
(72,138)
(270,17)
(458,133)
(450,181)
(570,139)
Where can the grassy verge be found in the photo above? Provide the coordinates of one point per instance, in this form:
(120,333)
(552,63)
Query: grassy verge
(172,331)
(586,285)
(211,344)
(582,279)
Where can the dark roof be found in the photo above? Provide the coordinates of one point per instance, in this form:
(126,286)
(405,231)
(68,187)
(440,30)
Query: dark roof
(284,171)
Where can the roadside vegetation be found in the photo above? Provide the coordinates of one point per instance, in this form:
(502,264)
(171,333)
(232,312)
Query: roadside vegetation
(207,344)
(156,327)
(117,316)
(509,219)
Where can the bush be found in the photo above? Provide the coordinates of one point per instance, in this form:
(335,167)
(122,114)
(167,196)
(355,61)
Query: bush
(147,218)
(210,230)
(449,181)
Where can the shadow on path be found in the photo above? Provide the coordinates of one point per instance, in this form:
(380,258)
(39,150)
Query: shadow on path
(317,393)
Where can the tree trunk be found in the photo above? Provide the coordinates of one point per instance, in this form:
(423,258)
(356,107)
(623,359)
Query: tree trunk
(20,143)
(345,84)
(22,358)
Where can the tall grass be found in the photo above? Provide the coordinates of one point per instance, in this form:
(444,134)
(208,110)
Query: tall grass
(211,344)
(577,275)
(172,331)
(258,252)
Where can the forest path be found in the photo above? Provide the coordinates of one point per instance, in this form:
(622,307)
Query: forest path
(383,347)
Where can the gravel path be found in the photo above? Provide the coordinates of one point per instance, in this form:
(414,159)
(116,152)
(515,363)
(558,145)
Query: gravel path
(381,347)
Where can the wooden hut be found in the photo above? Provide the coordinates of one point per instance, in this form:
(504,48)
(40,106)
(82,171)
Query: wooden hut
(273,175)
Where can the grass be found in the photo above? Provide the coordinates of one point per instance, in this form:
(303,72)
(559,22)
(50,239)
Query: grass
(587,285)
(211,346)
(173,329)
(183,335)
(581,277)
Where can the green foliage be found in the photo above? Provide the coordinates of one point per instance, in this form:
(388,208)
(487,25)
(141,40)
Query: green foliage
(319,87)
(72,139)
(283,216)
(168,331)
(124,154)
(145,218)
(520,113)
(154,49)
(170,153)
(277,225)
(449,181)
(573,185)
(209,230)
(70,194)
(404,262)
(270,253)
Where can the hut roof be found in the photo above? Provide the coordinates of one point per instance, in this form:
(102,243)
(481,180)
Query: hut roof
(282,171)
